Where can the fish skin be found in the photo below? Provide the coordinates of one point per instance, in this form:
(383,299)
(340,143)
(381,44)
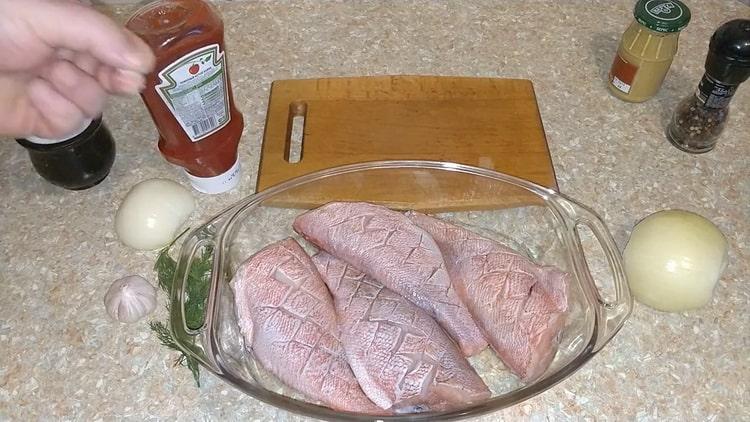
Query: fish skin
(401,356)
(288,320)
(391,249)
(519,305)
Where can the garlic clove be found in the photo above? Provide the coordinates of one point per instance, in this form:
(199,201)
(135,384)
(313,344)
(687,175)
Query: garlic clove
(130,299)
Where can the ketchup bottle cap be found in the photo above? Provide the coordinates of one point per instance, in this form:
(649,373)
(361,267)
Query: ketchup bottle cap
(217,184)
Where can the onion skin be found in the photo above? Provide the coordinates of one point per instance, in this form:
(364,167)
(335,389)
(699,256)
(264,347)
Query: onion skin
(674,259)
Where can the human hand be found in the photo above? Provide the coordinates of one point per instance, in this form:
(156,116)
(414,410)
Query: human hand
(59,60)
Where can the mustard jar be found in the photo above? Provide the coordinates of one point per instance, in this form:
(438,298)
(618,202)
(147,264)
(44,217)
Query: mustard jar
(647,48)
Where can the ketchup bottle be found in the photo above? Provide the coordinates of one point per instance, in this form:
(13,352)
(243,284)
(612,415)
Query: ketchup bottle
(189,94)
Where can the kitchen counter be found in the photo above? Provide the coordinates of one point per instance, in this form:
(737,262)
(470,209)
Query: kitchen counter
(63,358)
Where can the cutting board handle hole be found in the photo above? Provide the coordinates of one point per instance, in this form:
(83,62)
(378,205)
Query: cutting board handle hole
(295,133)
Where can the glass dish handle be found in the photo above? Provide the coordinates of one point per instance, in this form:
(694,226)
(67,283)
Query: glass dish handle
(190,339)
(614,313)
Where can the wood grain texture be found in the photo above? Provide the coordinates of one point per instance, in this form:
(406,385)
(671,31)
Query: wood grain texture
(490,123)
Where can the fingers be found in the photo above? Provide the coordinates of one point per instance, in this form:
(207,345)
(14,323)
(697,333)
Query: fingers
(18,115)
(58,116)
(87,63)
(142,53)
(112,80)
(118,81)
(77,86)
(73,26)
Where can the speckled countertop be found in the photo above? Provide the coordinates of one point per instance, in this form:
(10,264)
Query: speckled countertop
(63,358)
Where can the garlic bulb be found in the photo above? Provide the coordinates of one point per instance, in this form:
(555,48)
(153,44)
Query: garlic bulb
(130,299)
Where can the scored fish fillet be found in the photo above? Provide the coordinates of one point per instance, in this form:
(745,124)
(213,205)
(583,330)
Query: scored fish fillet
(391,249)
(288,320)
(402,358)
(519,305)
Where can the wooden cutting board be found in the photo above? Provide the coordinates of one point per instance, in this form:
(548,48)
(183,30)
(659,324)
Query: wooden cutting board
(484,122)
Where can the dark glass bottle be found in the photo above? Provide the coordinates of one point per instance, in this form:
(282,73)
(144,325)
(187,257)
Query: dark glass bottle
(79,161)
(699,119)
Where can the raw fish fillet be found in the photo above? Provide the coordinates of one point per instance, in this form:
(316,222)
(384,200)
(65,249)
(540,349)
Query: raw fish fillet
(519,305)
(402,358)
(287,318)
(391,249)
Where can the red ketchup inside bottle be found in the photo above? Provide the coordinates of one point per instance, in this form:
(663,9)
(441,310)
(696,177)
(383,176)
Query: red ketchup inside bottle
(189,94)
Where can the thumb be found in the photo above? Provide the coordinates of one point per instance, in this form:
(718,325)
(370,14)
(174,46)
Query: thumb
(79,28)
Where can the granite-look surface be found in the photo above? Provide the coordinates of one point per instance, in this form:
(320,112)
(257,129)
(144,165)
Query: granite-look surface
(63,358)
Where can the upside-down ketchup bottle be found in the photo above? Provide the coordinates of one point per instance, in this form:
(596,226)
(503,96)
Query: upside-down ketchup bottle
(189,94)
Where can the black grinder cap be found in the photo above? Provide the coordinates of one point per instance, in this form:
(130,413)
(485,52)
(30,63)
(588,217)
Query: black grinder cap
(728,59)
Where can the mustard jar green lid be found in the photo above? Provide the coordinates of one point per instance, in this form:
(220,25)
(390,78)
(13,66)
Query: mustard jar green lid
(662,15)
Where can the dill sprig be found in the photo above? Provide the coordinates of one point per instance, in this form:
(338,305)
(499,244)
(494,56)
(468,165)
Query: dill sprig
(165,337)
(196,289)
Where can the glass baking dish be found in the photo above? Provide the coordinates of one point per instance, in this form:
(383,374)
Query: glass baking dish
(532,219)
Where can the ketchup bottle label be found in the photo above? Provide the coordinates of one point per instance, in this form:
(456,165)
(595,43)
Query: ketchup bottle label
(194,88)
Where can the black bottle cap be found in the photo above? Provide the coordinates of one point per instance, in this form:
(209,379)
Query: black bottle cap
(728,59)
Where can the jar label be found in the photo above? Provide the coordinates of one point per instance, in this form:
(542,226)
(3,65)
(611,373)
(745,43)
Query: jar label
(194,88)
(622,74)
(714,94)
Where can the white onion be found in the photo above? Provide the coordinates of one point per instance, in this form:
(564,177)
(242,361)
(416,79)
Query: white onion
(674,259)
(152,212)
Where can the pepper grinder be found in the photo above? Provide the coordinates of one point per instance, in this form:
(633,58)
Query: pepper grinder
(699,119)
